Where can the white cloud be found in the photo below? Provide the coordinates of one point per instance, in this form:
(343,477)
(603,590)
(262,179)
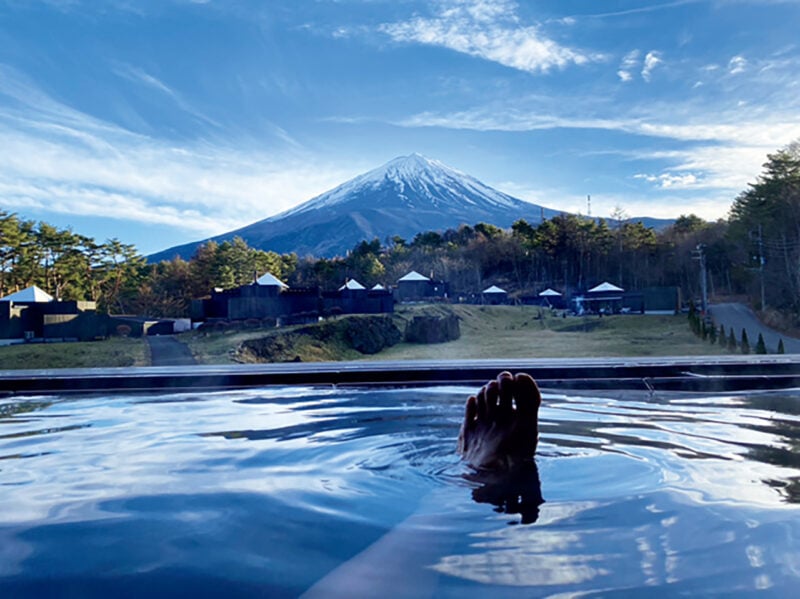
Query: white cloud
(737,65)
(651,60)
(668,180)
(488,30)
(628,64)
(723,151)
(60,160)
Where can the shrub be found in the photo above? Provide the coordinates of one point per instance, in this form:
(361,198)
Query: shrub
(123,330)
(761,347)
(433,329)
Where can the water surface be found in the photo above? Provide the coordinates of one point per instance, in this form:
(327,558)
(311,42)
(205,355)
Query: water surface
(273,492)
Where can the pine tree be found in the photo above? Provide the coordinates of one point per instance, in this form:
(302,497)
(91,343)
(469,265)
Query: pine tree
(712,334)
(723,338)
(745,345)
(780,347)
(731,341)
(761,347)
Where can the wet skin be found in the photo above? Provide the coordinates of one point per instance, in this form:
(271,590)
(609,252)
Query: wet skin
(501,424)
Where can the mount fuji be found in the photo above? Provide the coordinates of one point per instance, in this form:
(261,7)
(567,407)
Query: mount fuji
(406,196)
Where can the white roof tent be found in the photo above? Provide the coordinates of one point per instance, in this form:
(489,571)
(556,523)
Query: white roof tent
(414,276)
(549,293)
(352,285)
(605,287)
(30,295)
(494,289)
(269,280)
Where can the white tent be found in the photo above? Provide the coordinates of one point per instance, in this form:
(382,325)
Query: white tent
(30,295)
(494,289)
(378,287)
(352,285)
(270,280)
(606,286)
(414,276)
(549,293)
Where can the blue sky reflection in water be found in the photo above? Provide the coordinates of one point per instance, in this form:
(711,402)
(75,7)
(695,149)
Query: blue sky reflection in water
(269,491)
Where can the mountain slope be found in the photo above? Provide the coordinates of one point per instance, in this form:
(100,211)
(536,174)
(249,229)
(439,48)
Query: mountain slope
(406,196)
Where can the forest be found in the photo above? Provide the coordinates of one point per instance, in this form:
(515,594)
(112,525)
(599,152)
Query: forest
(753,253)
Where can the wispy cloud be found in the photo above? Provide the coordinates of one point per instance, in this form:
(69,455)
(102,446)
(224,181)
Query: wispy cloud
(61,160)
(489,30)
(628,64)
(737,65)
(722,150)
(139,76)
(651,60)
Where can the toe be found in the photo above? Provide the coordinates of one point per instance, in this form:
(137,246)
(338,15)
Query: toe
(527,396)
(492,393)
(483,410)
(470,411)
(505,409)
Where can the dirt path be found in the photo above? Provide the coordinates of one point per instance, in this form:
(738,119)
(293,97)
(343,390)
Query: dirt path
(168,351)
(741,317)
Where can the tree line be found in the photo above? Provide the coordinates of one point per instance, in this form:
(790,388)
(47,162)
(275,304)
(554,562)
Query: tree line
(756,248)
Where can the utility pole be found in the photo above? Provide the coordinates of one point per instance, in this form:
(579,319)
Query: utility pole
(589,206)
(761,267)
(699,255)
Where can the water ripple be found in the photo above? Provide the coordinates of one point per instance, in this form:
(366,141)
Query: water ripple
(275,488)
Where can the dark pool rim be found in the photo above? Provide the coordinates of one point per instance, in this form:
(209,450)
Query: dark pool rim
(690,374)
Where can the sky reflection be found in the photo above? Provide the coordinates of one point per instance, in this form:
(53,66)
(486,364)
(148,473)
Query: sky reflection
(691,495)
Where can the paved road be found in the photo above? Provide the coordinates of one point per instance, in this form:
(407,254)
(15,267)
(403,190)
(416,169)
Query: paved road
(168,351)
(741,317)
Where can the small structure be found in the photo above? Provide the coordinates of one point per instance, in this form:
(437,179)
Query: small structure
(267,297)
(34,314)
(415,287)
(603,298)
(270,300)
(494,295)
(551,298)
(354,298)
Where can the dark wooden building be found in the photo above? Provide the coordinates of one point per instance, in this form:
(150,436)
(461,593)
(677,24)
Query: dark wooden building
(415,287)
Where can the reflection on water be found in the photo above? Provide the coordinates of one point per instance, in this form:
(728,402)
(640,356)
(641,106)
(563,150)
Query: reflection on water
(271,492)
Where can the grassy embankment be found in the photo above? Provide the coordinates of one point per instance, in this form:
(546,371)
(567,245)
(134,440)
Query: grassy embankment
(112,352)
(498,332)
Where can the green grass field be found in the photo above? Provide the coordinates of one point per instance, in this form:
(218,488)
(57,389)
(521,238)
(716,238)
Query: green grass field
(489,332)
(516,332)
(116,351)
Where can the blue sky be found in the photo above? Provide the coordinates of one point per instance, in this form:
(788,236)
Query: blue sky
(165,121)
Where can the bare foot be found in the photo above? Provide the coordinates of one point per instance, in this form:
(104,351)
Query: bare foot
(501,424)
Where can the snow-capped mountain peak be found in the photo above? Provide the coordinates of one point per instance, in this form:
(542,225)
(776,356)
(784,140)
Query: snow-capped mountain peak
(415,181)
(404,197)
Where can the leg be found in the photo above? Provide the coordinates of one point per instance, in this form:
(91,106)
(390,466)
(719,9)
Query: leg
(501,426)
